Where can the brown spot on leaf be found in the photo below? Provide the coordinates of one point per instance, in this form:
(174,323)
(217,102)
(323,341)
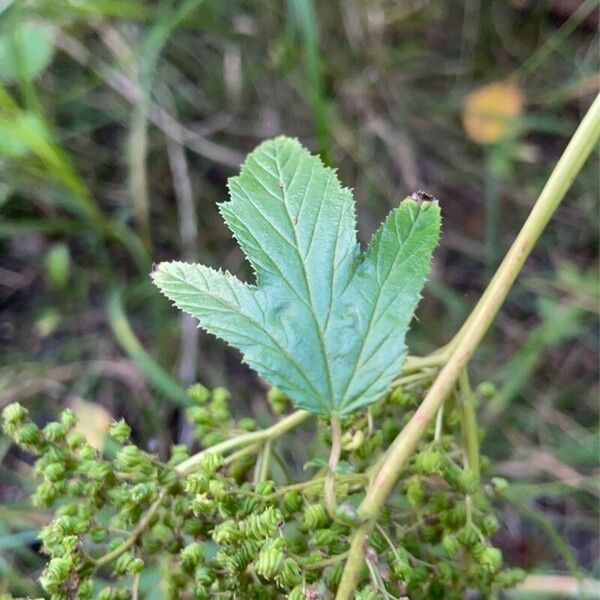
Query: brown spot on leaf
(421,196)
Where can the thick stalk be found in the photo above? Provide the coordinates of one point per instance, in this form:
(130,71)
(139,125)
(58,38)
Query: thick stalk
(466,342)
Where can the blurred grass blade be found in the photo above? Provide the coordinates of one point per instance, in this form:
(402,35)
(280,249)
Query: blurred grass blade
(302,15)
(148,53)
(124,334)
(24,132)
(558,325)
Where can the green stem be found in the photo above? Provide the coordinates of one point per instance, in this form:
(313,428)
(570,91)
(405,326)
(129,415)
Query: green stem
(271,433)
(133,536)
(265,459)
(241,453)
(326,562)
(467,340)
(439,424)
(320,481)
(334,459)
(158,377)
(468,423)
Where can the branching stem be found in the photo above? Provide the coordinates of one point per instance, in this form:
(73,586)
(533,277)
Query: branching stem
(271,433)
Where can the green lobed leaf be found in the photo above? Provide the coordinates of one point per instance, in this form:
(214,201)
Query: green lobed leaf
(323,323)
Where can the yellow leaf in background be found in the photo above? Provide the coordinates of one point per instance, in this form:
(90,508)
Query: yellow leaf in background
(490,111)
(93,420)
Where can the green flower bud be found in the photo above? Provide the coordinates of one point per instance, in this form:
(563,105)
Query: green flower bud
(500,484)
(489,525)
(456,517)
(262,525)
(136,566)
(333,576)
(402,570)
(378,542)
(450,545)
(486,389)
(323,537)
(58,265)
(75,439)
(211,462)
(129,458)
(196,483)
(446,572)
(55,574)
(269,562)
(353,441)
(390,429)
(120,431)
(199,415)
(122,564)
(54,472)
(510,578)
(86,452)
(247,424)
(290,573)
(86,590)
(98,535)
(27,434)
(277,400)
(203,503)
(46,493)
(220,395)
(217,488)
(436,590)
(297,593)
(97,470)
(367,593)
(419,575)
(191,556)
(396,396)
(212,438)
(68,419)
(265,488)
(226,533)
(198,393)
(292,502)
(467,536)
(415,493)
(142,492)
(440,501)
(14,414)
(429,462)
(314,516)
(70,543)
(488,557)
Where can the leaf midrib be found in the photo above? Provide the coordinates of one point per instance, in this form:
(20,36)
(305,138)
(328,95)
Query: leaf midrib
(379,296)
(313,312)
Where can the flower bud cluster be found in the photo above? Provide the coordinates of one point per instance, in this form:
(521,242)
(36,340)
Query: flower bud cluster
(218,531)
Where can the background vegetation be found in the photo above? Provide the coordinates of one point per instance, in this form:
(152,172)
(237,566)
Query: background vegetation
(120,122)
